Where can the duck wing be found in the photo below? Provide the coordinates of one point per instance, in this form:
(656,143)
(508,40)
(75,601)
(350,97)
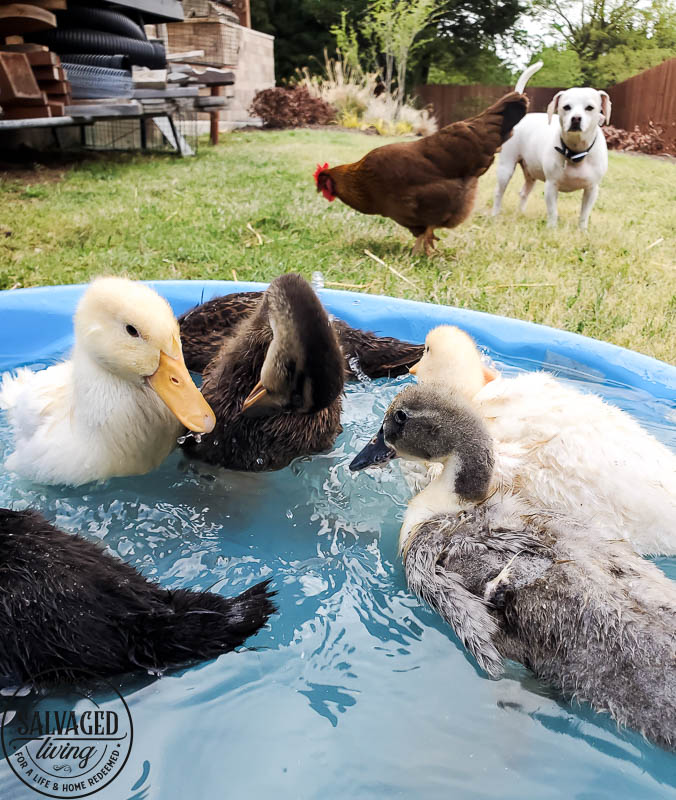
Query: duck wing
(204,327)
(450,560)
(375,356)
(38,408)
(430,574)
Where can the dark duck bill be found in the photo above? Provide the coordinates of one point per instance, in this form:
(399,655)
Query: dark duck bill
(376,452)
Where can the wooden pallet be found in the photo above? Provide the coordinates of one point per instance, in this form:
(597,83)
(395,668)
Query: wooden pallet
(16,21)
(49,5)
(19,19)
(52,81)
(17,82)
(32,84)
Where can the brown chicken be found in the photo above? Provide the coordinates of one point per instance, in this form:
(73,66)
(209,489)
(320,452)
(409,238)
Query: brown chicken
(432,182)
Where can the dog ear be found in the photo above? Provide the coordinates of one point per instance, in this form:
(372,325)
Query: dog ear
(606,107)
(553,107)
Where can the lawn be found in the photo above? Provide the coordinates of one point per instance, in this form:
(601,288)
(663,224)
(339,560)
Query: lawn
(248,208)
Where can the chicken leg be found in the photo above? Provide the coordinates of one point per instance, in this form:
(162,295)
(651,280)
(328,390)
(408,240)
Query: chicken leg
(426,242)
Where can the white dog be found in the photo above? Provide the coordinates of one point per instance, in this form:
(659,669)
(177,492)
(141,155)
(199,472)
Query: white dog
(568,153)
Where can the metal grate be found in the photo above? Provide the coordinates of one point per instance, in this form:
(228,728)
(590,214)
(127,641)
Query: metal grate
(152,134)
(97,82)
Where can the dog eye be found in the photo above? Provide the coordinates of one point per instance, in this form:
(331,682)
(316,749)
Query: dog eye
(589,108)
(400,417)
(131,330)
(566,107)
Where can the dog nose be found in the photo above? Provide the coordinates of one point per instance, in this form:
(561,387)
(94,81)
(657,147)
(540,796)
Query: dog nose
(576,120)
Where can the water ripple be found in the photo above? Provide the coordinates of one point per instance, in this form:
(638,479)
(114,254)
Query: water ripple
(408,713)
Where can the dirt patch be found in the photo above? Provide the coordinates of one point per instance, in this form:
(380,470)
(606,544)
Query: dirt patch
(36,174)
(32,167)
(371,131)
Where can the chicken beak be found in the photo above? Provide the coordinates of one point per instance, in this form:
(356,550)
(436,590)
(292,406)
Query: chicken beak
(257,395)
(414,369)
(172,382)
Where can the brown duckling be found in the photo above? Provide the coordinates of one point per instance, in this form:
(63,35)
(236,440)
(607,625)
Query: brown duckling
(276,380)
(204,327)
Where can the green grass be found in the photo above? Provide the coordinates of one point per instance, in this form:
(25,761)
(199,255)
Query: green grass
(161,217)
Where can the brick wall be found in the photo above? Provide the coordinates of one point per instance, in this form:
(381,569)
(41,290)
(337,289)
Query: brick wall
(255,71)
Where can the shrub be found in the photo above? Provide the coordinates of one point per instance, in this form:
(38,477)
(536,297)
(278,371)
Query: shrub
(290,108)
(352,93)
(650,141)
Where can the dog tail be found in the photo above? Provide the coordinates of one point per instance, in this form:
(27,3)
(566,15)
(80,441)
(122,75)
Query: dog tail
(526,75)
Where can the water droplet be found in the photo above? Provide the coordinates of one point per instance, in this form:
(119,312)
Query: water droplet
(355,366)
(155,673)
(181,439)
(259,461)
(198,437)
(289,513)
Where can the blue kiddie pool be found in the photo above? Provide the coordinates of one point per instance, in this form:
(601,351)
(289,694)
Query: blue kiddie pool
(355,689)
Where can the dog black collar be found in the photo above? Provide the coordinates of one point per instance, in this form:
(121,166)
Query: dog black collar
(571,155)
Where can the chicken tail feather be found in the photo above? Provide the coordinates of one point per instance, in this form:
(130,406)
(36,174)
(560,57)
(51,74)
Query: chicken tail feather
(512,114)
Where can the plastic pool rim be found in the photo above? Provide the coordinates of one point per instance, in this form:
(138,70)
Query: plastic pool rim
(24,338)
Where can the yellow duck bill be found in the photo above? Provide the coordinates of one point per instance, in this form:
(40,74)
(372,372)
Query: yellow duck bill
(172,382)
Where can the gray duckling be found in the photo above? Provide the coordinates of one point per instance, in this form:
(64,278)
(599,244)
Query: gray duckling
(585,613)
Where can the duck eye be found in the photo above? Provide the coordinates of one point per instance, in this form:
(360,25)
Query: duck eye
(131,330)
(400,416)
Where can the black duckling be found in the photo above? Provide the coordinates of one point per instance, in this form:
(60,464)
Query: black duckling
(584,613)
(276,381)
(204,327)
(65,605)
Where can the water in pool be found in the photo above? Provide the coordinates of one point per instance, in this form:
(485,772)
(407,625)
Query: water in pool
(355,689)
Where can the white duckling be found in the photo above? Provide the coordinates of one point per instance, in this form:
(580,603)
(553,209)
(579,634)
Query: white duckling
(118,404)
(562,449)
(576,606)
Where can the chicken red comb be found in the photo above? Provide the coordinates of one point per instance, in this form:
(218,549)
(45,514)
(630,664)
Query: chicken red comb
(318,170)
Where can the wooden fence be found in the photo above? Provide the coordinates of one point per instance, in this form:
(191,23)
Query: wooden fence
(648,97)
(453,103)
